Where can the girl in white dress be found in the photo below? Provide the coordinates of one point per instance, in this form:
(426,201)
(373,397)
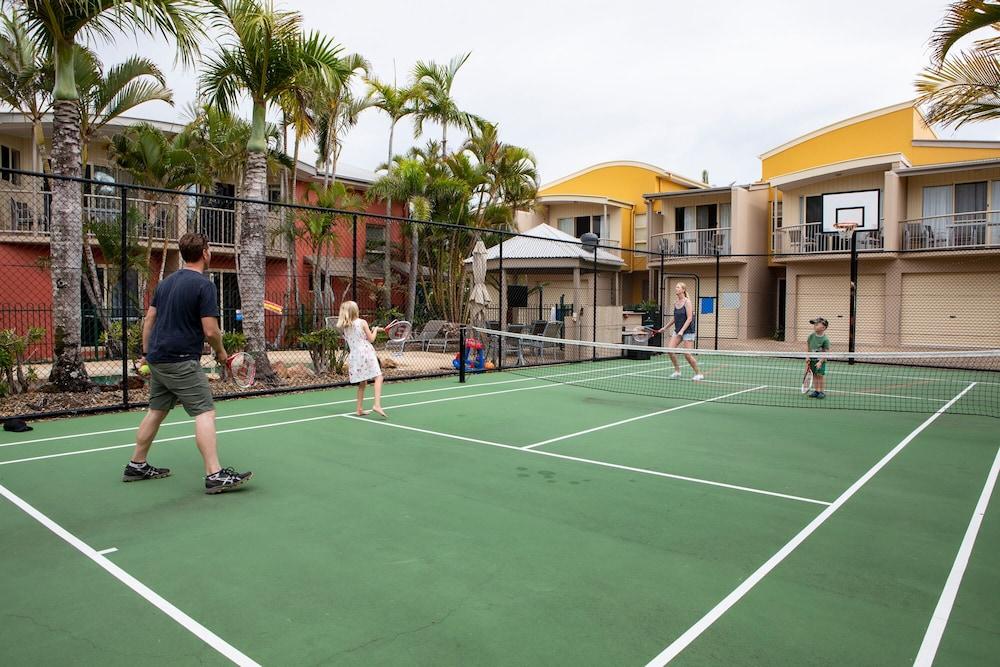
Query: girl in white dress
(362,362)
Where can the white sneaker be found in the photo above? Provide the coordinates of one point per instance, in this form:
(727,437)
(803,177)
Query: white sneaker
(698,378)
(675,375)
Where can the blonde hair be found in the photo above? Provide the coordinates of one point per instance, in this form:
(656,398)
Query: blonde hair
(684,288)
(348,313)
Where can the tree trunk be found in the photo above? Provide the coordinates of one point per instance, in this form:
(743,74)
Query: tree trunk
(253,264)
(68,370)
(411,297)
(387,258)
(297,298)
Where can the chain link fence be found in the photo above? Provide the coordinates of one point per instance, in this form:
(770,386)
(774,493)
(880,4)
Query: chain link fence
(280,276)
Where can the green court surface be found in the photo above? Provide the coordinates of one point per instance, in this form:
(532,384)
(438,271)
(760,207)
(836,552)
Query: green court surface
(511,520)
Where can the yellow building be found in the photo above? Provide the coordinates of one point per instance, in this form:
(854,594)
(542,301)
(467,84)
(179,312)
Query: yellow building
(607,199)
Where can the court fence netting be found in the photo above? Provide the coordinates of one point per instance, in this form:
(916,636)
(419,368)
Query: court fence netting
(281,269)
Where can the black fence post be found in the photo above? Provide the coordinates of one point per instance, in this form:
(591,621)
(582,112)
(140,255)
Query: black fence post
(354,259)
(461,353)
(852,317)
(123,286)
(593,352)
(503,320)
(718,304)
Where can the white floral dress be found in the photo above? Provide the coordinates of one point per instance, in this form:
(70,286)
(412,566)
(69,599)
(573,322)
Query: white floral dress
(362,364)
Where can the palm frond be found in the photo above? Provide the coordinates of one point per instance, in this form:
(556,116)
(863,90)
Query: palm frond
(962,18)
(963,89)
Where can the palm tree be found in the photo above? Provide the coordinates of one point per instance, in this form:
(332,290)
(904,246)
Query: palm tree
(55,26)
(337,110)
(397,103)
(25,73)
(319,229)
(156,161)
(104,96)
(437,103)
(963,88)
(263,56)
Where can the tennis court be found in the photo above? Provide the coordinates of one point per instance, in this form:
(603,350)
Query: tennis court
(529,517)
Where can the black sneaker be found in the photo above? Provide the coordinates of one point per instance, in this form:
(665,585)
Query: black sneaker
(226,479)
(137,473)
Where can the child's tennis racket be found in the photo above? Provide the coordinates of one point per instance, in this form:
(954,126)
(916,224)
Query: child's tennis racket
(242,368)
(807,381)
(398,330)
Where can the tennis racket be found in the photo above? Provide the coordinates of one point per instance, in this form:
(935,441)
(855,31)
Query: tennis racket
(642,334)
(807,381)
(242,368)
(398,330)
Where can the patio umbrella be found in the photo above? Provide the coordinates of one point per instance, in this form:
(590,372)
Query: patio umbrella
(480,296)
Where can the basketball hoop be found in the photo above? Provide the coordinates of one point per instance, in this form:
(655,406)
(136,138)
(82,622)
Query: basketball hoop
(845,229)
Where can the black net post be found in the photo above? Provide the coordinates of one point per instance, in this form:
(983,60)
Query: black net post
(123,286)
(593,308)
(502,318)
(853,306)
(354,258)
(461,353)
(718,306)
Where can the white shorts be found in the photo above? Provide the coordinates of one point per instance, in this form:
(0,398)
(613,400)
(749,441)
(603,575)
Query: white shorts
(688,337)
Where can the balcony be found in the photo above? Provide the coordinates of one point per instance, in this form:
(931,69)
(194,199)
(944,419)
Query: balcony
(979,229)
(154,219)
(810,239)
(218,224)
(694,243)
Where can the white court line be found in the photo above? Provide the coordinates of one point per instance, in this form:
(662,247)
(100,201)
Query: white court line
(285,409)
(188,623)
(829,391)
(632,419)
(105,552)
(603,464)
(706,621)
(317,418)
(939,619)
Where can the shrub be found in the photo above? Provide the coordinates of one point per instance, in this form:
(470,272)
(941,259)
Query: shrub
(326,350)
(12,357)
(234,341)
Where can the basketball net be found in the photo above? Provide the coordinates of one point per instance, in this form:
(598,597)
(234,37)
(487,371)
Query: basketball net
(845,229)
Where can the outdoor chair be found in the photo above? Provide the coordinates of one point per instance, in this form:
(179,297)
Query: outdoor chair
(447,333)
(514,346)
(428,333)
(21,219)
(538,347)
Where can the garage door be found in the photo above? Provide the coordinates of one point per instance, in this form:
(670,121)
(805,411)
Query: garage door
(829,296)
(728,309)
(950,309)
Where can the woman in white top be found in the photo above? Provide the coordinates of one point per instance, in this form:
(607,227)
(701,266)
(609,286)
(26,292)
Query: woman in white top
(362,362)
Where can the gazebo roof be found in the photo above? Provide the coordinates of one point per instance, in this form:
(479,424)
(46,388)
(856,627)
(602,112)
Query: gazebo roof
(551,245)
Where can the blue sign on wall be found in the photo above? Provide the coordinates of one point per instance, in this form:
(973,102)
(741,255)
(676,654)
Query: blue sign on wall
(707,305)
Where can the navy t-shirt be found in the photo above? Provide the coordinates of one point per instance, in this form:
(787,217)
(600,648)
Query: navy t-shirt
(181,300)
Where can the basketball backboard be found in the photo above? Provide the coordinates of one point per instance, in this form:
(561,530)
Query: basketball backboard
(861,207)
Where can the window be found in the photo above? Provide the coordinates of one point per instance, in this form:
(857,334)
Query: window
(566,225)
(725,216)
(641,232)
(10,158)
(274,195)
(970,197)
(707,216)
(936,201)
(582,225)
(813,211)
(374,240)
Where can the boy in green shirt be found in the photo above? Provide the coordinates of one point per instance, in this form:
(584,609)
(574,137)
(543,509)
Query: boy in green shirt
(817,342)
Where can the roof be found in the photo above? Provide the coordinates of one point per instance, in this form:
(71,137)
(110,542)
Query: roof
(949,166)
(868,115)
(694,193)
(552,244)
(659,171)
(843,168)
(583,199)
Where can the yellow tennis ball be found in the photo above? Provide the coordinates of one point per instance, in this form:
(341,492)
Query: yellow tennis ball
(144,369)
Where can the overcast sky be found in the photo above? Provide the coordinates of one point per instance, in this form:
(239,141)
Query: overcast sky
(683,85)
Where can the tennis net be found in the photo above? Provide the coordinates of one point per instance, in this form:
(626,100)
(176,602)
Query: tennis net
(893,381)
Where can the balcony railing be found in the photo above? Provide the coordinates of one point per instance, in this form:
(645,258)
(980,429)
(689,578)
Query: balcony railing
(810,239)
(693,243)
(218,224)
(156,219)
(980,229)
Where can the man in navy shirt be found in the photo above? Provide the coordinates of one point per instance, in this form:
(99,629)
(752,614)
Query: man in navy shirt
(183,314)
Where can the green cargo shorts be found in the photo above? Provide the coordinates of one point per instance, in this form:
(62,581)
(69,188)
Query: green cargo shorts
(182,381)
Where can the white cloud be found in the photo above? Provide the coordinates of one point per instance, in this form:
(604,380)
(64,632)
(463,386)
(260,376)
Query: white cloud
(686,86)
